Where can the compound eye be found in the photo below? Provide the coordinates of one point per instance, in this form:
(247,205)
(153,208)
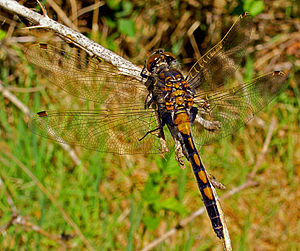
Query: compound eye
(169,57)
(151,61)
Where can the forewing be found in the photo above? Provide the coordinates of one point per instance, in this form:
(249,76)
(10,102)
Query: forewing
(87,77)
(213,69)
(102,130)
(234,107)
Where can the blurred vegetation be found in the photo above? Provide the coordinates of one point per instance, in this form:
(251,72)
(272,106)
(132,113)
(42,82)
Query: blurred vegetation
(125,202)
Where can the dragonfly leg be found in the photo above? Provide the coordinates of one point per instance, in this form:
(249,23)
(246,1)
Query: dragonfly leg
(179,156)
(150,81)
(207,124)
(151,132)
(161,134)
(148,102)
(144,71)
(166,119)
(215,182)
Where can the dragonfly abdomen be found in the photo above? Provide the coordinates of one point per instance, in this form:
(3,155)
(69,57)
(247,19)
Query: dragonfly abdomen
(182,122)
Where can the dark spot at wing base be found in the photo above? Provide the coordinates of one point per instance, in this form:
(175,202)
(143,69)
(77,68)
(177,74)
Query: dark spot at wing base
(278,73)
(42,114)
(43,46)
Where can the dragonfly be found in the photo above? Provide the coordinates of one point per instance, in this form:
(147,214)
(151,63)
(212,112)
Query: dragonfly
(162,109)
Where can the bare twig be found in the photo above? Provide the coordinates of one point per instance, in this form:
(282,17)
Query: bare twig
(50,197)
(43,21)
(24,90)
(11,203)
(8,224)
(226,240)
(22,221)
(190,33)
(74,8)
(6,93)
(62,14)
(264,149)
(89,8)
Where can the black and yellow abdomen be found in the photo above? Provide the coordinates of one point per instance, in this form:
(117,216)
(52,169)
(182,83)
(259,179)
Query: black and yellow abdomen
(182,122)
(178,102)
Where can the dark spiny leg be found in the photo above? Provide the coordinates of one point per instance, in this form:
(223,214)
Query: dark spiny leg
(158,128)
(148,102)
(144,71)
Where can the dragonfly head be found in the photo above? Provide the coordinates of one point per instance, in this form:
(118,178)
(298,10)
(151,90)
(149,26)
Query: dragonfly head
(159,60)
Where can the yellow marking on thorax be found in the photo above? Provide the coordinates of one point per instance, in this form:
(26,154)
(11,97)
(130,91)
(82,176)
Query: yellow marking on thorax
(190,101)
(179,100)
(185,84)
(169,84)
(170,106)
(208,193)
(178,93)
(177,84)
(278,73)
(168,87)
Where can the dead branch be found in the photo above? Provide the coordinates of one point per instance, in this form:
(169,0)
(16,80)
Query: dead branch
(264,149)
(226,240)
(43,21)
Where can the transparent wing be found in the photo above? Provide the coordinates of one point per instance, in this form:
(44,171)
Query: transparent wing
(231,109)
(90,78)
(213,69)
(102,130)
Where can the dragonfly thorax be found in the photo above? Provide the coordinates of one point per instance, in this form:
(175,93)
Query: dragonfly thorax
(176,91)
(167,86)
